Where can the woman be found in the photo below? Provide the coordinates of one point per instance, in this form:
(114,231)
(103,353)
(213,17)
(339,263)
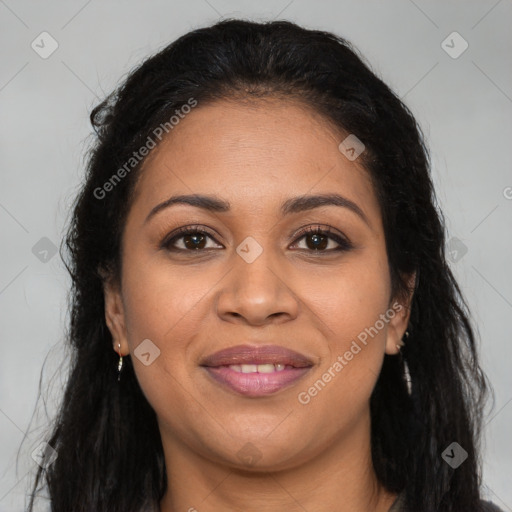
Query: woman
(263,317)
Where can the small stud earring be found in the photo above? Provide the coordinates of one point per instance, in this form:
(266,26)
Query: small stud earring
(120,364)
(401,343)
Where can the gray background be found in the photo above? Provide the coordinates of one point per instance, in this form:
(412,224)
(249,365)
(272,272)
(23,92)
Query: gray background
(464,105)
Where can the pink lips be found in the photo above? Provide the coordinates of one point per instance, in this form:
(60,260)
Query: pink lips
(290,367)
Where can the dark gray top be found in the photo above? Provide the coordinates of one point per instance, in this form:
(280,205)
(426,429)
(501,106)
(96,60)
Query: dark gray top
(398,505)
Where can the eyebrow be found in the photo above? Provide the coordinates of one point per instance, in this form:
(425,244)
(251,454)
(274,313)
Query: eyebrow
(290,206)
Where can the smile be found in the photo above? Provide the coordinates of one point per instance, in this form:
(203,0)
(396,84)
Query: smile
(256,371)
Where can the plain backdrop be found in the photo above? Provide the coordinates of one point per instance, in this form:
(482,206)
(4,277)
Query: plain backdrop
(461,96)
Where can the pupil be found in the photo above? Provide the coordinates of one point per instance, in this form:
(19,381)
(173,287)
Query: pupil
(196,241)
(318,243)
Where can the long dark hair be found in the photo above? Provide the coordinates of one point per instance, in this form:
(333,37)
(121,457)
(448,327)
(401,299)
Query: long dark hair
(110,455)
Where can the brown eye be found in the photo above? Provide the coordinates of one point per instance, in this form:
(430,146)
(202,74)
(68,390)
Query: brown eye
(324,240)
(317,241)
(194,241)
(189,239)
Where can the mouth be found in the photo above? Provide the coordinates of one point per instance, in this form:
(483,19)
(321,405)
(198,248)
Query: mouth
(256,371)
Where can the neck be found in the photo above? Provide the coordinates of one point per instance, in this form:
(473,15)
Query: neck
(339,478)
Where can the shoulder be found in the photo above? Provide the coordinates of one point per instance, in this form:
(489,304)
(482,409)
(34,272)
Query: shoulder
(487,506)
(399,505)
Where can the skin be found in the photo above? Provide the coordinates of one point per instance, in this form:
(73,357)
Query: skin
(313,457)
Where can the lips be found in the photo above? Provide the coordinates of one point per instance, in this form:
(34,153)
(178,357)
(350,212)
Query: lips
(256,371)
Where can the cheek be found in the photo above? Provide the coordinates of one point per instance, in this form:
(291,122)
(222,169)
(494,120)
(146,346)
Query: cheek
(163,301)
(350,298)
(165,306)
(350,303)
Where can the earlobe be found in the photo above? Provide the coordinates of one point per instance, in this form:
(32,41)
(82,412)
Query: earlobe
(115,316)
(396,332)
(397,328)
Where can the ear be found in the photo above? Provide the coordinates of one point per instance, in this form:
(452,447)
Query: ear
(398,323)
(115,315)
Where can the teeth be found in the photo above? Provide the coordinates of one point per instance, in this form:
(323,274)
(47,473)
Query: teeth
(257,368)
(266,368)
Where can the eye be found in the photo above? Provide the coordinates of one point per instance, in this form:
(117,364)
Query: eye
(191,238)
(319,240)
(196,238)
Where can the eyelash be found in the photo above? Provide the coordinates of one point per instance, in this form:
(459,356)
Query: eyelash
(343,243)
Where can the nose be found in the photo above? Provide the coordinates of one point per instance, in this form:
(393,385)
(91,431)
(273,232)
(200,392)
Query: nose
(257,293)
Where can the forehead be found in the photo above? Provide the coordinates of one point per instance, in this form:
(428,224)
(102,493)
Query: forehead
(252,153)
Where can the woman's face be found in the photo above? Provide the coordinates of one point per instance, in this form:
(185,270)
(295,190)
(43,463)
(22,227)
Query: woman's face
(309,316)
